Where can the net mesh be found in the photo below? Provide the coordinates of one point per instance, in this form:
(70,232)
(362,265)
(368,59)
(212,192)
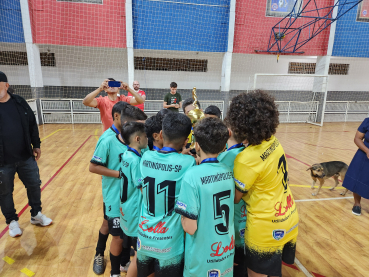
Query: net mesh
(82,42)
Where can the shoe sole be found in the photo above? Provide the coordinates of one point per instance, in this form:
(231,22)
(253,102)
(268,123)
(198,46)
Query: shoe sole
(356,213)
(15,236)
(38,223)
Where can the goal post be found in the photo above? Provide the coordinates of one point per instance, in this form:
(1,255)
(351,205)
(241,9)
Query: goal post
(301,98)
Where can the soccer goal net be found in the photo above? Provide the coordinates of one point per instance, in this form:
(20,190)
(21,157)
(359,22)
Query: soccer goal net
(300,97)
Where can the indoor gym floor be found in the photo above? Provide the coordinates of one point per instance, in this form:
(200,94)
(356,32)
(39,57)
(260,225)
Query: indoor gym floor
(331,242)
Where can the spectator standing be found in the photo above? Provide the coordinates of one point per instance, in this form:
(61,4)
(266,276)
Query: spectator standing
(173,100)
(136,87)
(105,103)
(19,151)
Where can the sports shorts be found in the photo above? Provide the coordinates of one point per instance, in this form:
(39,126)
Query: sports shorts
(128,241)
(240,269)
(268,260)
(172,267)
(113,223)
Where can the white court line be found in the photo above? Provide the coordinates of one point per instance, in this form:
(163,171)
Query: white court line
(302,268)
(323,199)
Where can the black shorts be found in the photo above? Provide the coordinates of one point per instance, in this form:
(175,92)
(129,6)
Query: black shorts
(239,270)
(268,260)
(128,241)
(172,267)
(114,224)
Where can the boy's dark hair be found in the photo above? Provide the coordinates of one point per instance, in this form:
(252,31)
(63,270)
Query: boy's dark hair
(211,134)
(162,113)
(111,79)
(176,127)
(131,128)
(213,110)
(189,101)
(118,107)
(173,84)
(152,125)
(253,117)
(130,113)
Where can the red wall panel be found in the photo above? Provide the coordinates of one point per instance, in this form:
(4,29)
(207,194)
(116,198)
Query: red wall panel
(253,28)
(79,24)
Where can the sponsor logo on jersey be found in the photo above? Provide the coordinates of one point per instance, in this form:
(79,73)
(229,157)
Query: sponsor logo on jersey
(181,205)
(138,244)
(116,222)
(240,184)
(214,273)
(219,250)
(281,209)
(279,234)
(242,233)
(243,211)
(96,158)
(157,229)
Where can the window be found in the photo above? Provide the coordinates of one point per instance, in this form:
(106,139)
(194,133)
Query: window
(164,64)
(309,68)
(362,11)
(20,58)
(281,8)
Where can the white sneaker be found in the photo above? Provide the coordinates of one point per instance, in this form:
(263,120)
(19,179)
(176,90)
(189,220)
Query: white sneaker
(14,230)
(125,268)
(41,219)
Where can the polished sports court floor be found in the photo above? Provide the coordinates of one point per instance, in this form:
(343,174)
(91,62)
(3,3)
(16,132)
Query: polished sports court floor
(332,241)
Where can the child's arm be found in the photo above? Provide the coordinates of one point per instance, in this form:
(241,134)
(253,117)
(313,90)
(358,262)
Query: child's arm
(102,170)
(189,225)
(237,196)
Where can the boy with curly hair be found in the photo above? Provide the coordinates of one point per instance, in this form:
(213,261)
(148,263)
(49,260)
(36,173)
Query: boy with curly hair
(206,205)
(261,177)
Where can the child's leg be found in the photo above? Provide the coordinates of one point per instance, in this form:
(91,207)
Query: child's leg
(115,251)
(103,237)
(132,270)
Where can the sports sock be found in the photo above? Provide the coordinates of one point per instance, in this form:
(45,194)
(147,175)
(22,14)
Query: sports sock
(125,257)
(101,244)
(115,263)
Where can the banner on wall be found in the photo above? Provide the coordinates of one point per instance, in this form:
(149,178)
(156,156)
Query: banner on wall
(281,8)
(363,11)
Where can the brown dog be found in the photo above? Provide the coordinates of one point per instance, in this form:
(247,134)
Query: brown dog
(326,170)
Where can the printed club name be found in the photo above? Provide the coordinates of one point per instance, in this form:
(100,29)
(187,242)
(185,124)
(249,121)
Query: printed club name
(216,178)
(270,150)
(162,167)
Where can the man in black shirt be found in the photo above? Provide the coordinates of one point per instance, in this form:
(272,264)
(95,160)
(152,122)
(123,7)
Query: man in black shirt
(19,151)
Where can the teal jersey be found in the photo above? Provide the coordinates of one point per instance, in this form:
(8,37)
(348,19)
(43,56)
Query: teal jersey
(130,194)
(160,232)
(108,133)
(207,195)
(240,212)
(145,150)
(108,154)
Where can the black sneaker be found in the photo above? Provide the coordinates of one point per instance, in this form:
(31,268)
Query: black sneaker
(356,210)
(99,265)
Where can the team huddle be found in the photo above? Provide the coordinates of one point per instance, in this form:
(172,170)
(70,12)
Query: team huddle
(225,211)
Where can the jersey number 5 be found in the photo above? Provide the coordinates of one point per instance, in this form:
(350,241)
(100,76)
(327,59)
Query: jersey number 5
(169,189)
(221,211)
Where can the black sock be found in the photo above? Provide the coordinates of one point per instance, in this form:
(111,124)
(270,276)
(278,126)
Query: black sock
(115,264)
(125,257)
(101,244)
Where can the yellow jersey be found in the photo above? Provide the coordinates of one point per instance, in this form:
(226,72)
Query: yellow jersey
(261,173)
